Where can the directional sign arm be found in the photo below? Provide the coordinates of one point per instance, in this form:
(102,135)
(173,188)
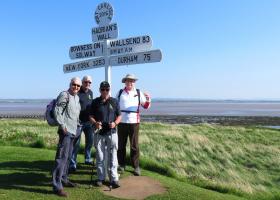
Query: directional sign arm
(129,45)
(136,58)
(84,65)
(87,50)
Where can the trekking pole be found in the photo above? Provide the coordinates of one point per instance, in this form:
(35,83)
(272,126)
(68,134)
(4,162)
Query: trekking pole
(111,161)
(95,132)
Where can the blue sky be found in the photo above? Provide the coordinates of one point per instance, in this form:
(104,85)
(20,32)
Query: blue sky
(212,49)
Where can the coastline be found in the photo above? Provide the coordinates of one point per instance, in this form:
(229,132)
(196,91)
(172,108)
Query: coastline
(183,119)
(223,112)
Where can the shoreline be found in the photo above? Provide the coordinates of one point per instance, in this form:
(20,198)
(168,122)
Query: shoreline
(184,119)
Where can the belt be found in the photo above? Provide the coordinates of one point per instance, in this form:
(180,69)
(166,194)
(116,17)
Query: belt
(129,111)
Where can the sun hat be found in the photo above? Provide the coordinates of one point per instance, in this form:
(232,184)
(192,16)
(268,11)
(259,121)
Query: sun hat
(129,76)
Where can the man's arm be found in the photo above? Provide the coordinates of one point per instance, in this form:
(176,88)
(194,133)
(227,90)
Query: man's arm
(118,114)
(98,125)
(145,100)
(60,109)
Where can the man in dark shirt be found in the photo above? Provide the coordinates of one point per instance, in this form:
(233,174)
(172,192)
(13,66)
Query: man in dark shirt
(106,115)
(85,95)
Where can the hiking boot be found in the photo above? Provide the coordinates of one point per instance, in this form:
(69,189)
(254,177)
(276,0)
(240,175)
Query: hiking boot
(89,163)
(72,170)
(61,193)
(121,169)
(69,184)
(137,171)
(115,184)
(99,183)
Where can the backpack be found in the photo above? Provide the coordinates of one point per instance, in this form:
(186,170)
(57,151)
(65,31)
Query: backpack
(49,113)
(138,93)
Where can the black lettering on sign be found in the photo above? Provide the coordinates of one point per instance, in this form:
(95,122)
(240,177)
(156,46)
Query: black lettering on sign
(83,65)
(67,68)
(113,51)
(128,49)
(97,45)
(89,47)
(146,39)
(136,40)
(99,62)
(89,53)
(72,49)
(81,48)
(147,56)
(128,59)
(79,55)
(104,36)
(113,43)
(119,51)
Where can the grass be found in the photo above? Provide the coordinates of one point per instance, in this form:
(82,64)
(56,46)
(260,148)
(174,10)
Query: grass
(25,174)
(238,160)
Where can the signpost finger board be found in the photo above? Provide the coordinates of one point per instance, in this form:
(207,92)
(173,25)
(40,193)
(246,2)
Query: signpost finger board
(87,50)
(129,45)
(136,58)
(84,65)
(107,32)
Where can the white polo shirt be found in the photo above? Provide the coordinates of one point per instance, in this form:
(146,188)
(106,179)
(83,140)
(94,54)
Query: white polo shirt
(129,102)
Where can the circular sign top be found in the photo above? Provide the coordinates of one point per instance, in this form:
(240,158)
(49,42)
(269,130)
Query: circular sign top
(103,14)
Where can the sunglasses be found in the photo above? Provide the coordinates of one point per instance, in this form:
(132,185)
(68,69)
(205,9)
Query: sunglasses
(130,80)
(105,89)
(87,82)
(76,85)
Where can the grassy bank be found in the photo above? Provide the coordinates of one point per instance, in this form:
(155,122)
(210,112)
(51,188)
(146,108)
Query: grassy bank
(25,174)
(240,160)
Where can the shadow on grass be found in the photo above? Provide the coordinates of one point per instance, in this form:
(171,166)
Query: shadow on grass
(26,176)
(35,176)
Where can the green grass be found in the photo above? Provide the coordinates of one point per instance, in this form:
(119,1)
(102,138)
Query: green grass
(25,174)
(244,161)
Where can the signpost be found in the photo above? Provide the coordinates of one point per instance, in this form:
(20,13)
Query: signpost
(109,50)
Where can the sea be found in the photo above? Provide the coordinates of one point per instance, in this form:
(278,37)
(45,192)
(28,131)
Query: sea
(22,107)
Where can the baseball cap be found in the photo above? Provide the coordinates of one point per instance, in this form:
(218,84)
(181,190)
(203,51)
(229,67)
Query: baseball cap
(104,84)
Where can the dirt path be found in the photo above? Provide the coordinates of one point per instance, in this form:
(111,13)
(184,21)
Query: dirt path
(136,187)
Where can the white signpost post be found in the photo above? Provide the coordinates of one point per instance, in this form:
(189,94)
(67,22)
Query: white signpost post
(109,50)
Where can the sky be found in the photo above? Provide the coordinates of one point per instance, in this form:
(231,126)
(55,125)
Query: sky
(212,49)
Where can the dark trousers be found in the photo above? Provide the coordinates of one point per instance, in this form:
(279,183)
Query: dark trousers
(62,159)
(88,130)
(124,131)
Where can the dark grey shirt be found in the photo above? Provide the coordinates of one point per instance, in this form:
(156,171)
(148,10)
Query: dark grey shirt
(85,101)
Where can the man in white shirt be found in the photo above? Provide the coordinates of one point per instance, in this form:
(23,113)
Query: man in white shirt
(130,99)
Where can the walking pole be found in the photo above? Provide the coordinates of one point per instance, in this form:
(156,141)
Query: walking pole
(95,131)
(111,163)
